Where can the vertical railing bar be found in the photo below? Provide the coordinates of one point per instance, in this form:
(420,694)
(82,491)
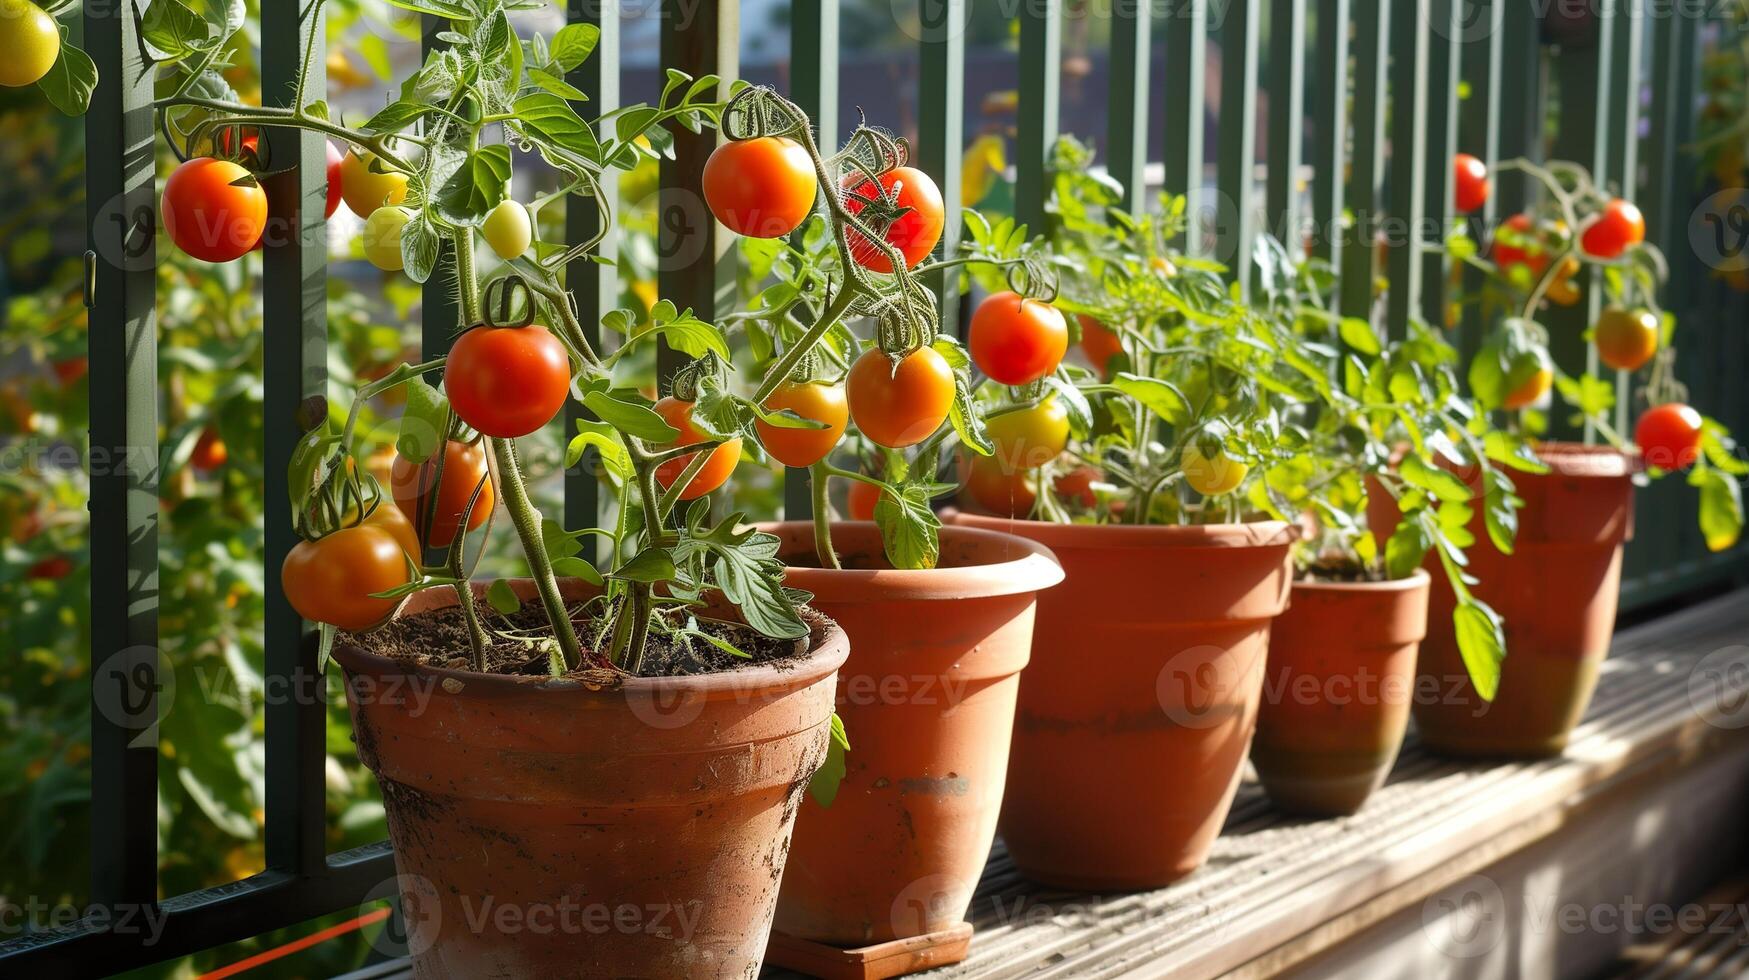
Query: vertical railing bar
(1287,113)
(941,81)
(1330,137)
(1238,138)
(593,285)
(1041,60)
(295,338)
(1521,116)
(439,313)
(696,259)
(814,87)
(1182,90)
(1408,185)
(1483,42)
(120,141)
(1624,139)
(1443,74)
(1126,117)
(1365,187)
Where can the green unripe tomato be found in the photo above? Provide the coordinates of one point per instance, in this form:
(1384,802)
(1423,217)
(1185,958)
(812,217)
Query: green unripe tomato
(31,41)
(509,229)
(382,236)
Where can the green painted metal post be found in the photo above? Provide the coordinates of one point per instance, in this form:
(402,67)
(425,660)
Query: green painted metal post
(1238,134)
(120,138)
(1182,91)
(440,316)
(1524,89)
(1041,60)
(814,62)
(1365,188)
(594,286)
(1443,64)
(1126,117)
(941,130)
(1330,128)
(1483,42)
(295,335)
(1624,139)
(1411,40)
(1287,113)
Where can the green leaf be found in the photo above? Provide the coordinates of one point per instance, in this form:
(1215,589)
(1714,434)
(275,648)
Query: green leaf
(577,568)
(1160,397)
(70,82)
(1406,547)
(545,115)
(605,438)
(395,117)
(632,418)
(556,85)
(172,30)
(436,8)
(476,187)
(419,249)
(1439,482)
(308,465)
(1481,640)
(910,531)
(423,424)
(1510,449)
(500,597)
(573,44)
(686,333)
(649,565)
(744,564)
(718,642)
(823,785)
(1358,335)
(1721,507)
(968,422)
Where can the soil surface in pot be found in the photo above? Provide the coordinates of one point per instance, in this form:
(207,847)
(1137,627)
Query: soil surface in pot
(440,639)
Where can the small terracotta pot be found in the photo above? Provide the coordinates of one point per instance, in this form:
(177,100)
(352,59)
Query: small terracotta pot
(1137,710)
(1556,592)
(927,699)
(1337,692)
(597,826)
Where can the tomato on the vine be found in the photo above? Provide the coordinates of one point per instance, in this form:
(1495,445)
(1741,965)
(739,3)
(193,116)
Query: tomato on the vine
(508,229)
(31,40)
(214,210)
(913,233)
(900,405)
(996,488)
(390,519)
(1030,437)
(367,186)
(1099,344)
(815,401)
(1563,291)
(1016,340)
(336,180)
(507,381)
(1625,339)
(717,467)
(761,187)
(382,237)
(1506,255)
(1531,390)
(1214,474)
(331,579)
(421,497)
(210,451)
(1670,436)
(860,500)
(1471,182)
(1077,485)
(1617,228)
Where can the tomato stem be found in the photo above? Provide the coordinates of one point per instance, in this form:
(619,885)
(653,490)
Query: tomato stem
(818,474)
(780,371)
(527,521)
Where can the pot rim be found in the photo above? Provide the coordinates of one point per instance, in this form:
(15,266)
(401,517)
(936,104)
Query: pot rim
(1032,567)
(1579,459)
(1419,579)
(827,649)
(1254,534)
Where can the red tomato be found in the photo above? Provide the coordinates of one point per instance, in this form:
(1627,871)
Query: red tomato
(1471,186)
(997,489)
(420,497)
(815,401)
(1669,436)
(72,369)
(1077,485)
(900,406)
(716,469)
(1509,255)
(334,184)
(762,187)
(1099,344)
(331,580)
(210,451)
(210,216)
(861,499)
(51,568)
(1617,228)
(913,233)
(1016,340)
(507,381)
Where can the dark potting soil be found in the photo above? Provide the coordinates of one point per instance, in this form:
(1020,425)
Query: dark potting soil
(440,639)
(1341,571)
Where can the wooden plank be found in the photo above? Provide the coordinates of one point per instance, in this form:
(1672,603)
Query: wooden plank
(1126,116)
(1041,62)
(1287,114)
(1365,189)
(1236,217)
(1330,129)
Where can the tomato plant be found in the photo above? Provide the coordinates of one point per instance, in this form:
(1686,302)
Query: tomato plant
(367,183)
(1030,436)
(1626,339)
(213,209)
(1099,344)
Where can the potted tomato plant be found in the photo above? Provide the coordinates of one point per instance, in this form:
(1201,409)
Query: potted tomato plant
(1390,424)
(1557,589)
(614,750)
(1137,711)
(940,619)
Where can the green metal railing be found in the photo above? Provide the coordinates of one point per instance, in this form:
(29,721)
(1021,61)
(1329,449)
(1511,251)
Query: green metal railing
(1368,91)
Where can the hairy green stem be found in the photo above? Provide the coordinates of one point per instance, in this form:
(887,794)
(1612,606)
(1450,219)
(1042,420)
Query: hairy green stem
(527,522)
(818,474)
(780,371)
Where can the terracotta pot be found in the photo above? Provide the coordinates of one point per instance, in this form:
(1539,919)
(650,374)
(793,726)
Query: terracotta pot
(927,699)
(1137,710)
(631,827)
(1336,694)
(1556,592)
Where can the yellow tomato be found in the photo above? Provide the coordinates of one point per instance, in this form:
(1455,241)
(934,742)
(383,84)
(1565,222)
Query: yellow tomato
(366,189)
(1214,475)
(30,40)
(1030,437)
(508,229)
(382,237)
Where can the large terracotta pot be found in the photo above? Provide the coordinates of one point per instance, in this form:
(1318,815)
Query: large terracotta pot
(1337,691)
(927,699)
(1556,592)
(598,826)
(1137,710)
